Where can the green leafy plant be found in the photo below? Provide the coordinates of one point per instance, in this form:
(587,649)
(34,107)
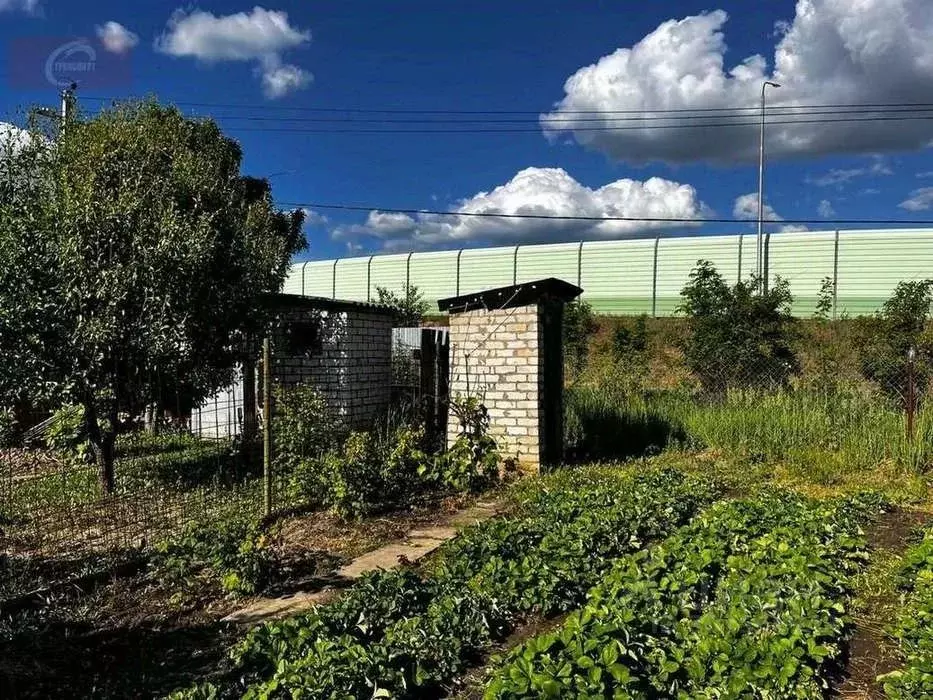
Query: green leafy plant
(748,600)
(410,305)
(8,428)
(741,335)
(408,633)
(234,552)
(914,627)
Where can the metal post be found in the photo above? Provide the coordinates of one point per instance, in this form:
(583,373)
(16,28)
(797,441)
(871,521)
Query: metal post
(267,424)
(835,274)
(369,277)
(739,278)
(515,265)
(459,253)
(759,242)
(654,280)
(334,286)
(580,265)
(911,393)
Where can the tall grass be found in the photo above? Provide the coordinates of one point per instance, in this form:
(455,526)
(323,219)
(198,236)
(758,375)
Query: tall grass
(812,431)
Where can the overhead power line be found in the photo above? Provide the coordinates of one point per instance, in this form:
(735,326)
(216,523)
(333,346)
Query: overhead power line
(537,129)
(571,217)
(393,110)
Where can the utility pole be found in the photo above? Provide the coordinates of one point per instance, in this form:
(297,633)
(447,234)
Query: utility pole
(65,113)
(760,252)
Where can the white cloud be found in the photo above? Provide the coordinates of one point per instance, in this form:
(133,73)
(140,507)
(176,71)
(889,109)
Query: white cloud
(542,192)
(116,38)
(29,6)
(746,207)
(919,200)
(926,173)
(280,79)
(833,52)
(260,36)
(314,218)
(841,176)
(825,209)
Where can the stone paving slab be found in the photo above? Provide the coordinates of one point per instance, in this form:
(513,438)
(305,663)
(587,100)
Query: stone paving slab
(416,544)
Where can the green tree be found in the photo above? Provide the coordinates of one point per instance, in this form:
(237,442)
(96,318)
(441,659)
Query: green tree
(410,305)
(132,259)
(886,339)
(739,335)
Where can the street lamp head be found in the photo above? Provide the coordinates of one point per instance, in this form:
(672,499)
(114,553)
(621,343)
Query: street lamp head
(772,84)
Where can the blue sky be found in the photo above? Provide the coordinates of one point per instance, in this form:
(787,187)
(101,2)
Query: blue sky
(289,59)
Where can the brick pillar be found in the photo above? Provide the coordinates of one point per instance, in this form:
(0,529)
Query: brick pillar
(497,356)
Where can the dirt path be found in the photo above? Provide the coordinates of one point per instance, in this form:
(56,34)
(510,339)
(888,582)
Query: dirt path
(870,652)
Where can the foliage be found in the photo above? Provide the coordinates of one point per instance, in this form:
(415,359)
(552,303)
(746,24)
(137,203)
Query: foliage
(234,552)
(749,600)
(405,634)
(629,343)
(471,463)
(914,627)
(305,427)
(132,262)
(8,427)
(739,336)
(386,467)
(901,324)
(579,326)
(67,433)
(411,305)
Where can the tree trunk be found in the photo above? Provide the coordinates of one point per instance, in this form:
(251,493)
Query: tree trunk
(104,443)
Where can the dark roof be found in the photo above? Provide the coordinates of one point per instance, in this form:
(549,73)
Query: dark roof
(285,302)
(524,294)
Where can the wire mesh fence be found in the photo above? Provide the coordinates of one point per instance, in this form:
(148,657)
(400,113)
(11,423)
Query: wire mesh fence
(837,401)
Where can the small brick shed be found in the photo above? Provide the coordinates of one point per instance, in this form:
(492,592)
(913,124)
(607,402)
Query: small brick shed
(506,348)
(343,348)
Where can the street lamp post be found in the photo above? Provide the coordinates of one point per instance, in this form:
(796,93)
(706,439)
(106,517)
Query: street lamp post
(759,240)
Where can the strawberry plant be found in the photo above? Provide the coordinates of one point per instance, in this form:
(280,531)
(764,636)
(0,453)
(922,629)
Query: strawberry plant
(746,600)
(409,633)
(914,628)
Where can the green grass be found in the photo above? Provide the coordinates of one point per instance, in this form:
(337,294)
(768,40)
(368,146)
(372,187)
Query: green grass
(821,436)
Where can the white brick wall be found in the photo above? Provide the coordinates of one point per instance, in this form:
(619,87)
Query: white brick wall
(352,367)
(495,355)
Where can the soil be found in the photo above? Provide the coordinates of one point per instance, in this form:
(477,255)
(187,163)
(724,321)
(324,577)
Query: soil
(131,636)
(870,652)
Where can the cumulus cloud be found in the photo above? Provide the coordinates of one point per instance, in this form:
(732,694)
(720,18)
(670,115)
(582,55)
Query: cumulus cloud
(825,209)
(746,207)
(260,36)
(116,38)
(919,200)
(539,192)
(314,219)
(29,6)
(832,52)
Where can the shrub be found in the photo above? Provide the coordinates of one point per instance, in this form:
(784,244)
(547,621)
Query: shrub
(740,335)
(578,328)
(304,427)
(410,305)
(472,462)
(888,337)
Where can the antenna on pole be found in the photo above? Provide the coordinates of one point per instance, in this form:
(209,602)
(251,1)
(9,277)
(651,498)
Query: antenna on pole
(68,100)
